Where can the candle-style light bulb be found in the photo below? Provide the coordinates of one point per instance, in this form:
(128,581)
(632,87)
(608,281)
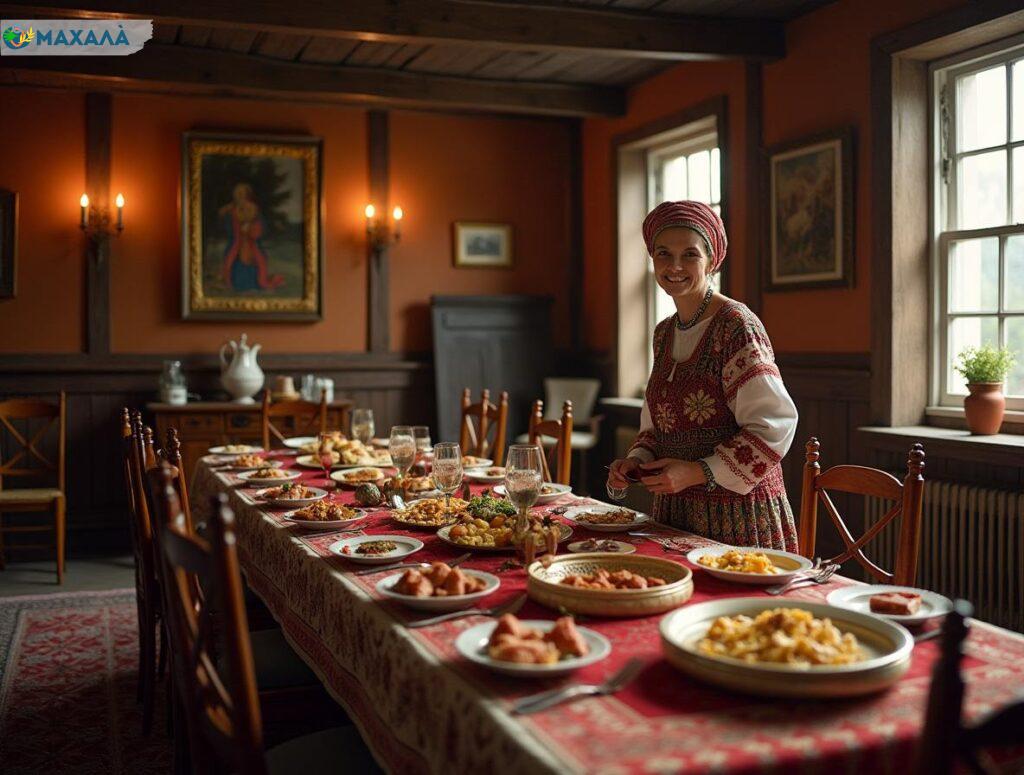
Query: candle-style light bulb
(84,219)
(397,213)
(119,201)
(370,211)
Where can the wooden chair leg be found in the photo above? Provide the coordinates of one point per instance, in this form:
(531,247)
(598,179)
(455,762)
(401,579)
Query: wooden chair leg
(161,667)
(60,529)
(141,619)
(147,666)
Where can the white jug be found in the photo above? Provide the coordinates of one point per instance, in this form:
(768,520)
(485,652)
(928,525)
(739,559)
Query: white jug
(241,376)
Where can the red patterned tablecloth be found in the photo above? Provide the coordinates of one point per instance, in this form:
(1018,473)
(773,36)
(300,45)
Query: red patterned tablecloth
(421,707)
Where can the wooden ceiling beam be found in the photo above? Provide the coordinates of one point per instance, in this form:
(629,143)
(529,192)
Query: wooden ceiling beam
(502,25)
(179,69)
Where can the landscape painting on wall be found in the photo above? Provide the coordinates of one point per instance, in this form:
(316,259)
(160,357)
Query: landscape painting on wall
(810,186)
(251,240)
(483,245)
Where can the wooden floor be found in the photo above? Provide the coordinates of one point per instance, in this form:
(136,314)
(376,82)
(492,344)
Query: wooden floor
(80,575)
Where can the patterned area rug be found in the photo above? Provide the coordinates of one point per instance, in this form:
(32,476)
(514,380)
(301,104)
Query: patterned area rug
(68,667)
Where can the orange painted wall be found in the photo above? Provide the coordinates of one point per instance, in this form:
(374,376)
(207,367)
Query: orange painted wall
(42,152)
(446,169)
(146,268)
(822,83)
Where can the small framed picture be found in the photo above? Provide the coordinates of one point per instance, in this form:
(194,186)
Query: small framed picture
(483,244)
(810,191)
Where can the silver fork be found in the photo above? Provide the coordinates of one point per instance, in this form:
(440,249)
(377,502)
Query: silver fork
(822,576)
(538,702)
(510,607)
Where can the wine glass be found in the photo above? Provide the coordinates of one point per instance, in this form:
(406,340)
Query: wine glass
(447,471)
(362,425)
(402,447)
(422,435)
(325,454)
(523,475)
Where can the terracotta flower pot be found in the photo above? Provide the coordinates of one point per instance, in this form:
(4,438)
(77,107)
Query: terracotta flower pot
(984,407)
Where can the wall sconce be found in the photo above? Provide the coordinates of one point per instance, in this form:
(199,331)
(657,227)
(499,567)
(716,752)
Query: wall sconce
(380,232)
(95,221)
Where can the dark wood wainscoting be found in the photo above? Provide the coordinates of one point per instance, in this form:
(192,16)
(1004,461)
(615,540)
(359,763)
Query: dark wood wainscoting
(396,388)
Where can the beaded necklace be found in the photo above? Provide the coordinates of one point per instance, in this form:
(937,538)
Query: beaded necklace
(700,311)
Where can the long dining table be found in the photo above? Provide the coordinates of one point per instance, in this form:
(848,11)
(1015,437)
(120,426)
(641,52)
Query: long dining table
(421,707)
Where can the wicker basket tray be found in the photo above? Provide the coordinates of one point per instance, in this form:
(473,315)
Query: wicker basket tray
(544,585)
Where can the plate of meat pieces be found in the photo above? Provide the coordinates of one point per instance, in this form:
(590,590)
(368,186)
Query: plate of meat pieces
(438,587)
(906,605)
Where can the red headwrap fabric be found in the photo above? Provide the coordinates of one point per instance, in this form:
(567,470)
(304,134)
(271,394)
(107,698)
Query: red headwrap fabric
(691,215)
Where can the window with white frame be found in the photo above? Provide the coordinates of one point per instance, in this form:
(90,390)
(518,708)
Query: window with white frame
(687,168)
(978,246)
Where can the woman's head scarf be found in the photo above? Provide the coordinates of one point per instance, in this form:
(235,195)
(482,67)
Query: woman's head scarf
(690,215)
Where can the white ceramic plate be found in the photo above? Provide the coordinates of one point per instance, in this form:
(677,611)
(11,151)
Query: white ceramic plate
(472,644)
(582,547)
(439,604)
(406,546)
(856,597)
(298,442)
(317,495)
(380,443)
(225,464)
(337,524)
(281,476)
(789,565)
(887,647)
(340,476)
(639,518)
(559,491)
(481,475)
(468,461)
(241,449)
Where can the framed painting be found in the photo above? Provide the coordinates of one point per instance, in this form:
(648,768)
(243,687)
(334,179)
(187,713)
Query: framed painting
(810,193)
(252,244)
(479,245)
(8,241)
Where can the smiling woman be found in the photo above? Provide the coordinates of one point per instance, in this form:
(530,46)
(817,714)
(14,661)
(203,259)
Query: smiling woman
(716,419)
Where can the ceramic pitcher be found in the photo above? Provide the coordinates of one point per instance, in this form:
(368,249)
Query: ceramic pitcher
(240,375)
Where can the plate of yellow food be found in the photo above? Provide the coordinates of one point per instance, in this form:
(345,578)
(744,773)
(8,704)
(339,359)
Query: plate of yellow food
(430,513)
(353,477)
(605,518)
(247,462)
(234,449)
(471,461)
(532,648)
(749,564)
(788,648)
(438,587)
(486,474)
(480,535)
(324,515)
(375,549)
(268,475)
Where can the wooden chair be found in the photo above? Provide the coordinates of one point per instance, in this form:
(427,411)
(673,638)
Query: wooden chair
(558,455)
(860,480)
(27,461)
(307,418)
(945,740)
(478,420)
(217,694)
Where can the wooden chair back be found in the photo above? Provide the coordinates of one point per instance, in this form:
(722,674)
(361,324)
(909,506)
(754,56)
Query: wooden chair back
(221,706)
(308,418)
(142,525)
(479,420)
(558,457)
(860,480)
(171,452)
(27,460)
(945,739)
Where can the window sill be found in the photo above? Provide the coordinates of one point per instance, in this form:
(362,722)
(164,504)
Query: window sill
(1005,449)
(953,417)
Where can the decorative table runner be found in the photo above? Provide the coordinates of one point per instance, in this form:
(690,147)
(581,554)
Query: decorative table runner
(422,707)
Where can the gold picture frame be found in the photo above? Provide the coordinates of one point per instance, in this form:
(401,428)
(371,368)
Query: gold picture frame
(478,245)
(252,243)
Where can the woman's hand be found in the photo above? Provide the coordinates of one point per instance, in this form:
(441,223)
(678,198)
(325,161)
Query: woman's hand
(666,476)
(622,472)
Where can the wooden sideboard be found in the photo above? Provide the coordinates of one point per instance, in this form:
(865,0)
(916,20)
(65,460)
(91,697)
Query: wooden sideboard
(206,424)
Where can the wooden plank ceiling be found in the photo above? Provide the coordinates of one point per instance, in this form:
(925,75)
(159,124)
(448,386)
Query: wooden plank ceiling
(578,58)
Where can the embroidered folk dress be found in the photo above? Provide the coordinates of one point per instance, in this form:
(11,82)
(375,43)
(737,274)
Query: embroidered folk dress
(715,394)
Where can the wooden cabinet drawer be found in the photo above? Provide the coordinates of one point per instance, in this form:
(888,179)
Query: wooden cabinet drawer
(192,424)
(237,422)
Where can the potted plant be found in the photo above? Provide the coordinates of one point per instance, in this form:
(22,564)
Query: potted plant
(985,368)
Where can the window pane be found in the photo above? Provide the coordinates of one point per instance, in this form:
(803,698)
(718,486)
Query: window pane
(699,166)
(1018,100)
(981,195)
(1014,328)
(1013,274)
(1018,183)
(981,109)
(974,275)
(968,332)
(716,174)
(673,179)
